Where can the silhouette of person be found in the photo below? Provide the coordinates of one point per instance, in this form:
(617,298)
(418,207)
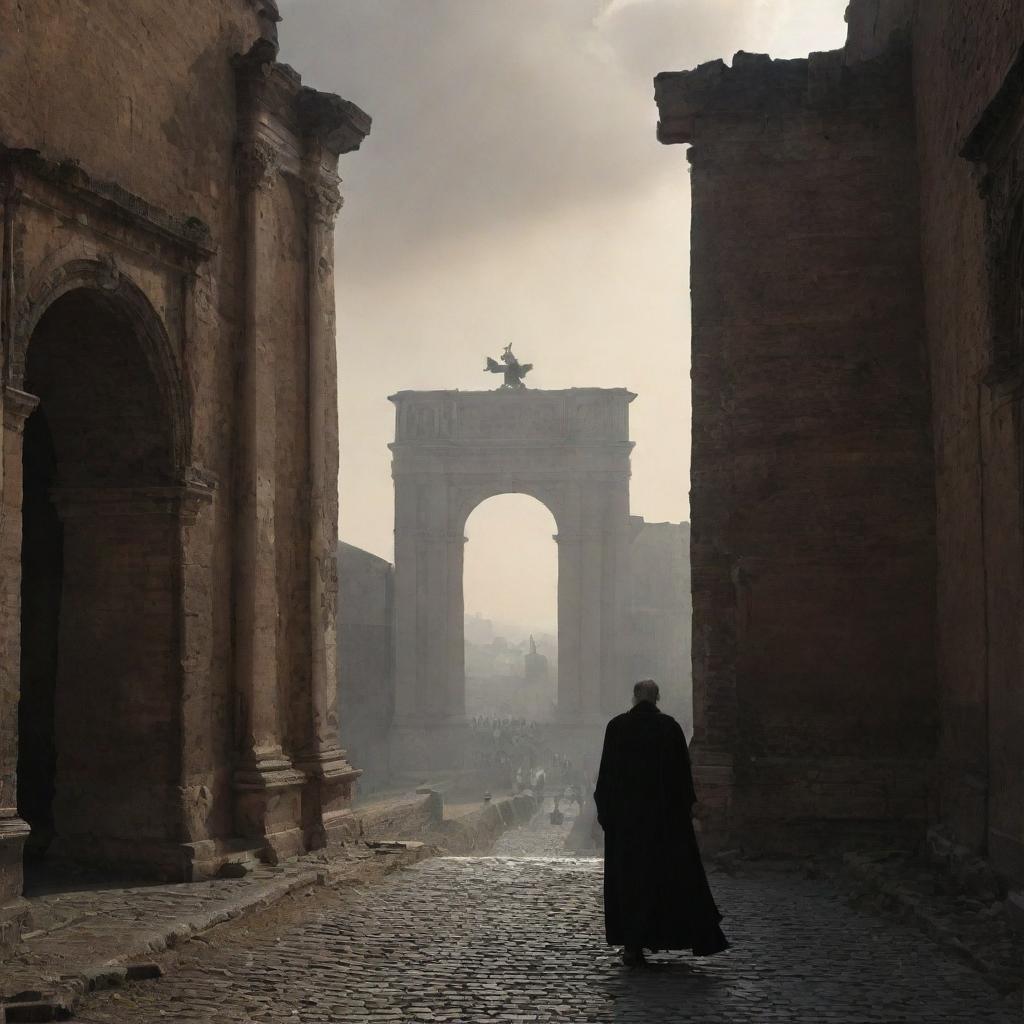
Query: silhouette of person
(656,893)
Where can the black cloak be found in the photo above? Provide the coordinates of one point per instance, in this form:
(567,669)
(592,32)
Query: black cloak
(656,894)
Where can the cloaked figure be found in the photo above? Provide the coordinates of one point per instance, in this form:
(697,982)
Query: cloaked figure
(656,893)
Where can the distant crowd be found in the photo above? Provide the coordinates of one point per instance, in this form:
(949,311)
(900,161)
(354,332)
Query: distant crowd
(513,753)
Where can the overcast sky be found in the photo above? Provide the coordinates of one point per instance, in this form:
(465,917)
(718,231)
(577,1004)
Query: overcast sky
(512,191)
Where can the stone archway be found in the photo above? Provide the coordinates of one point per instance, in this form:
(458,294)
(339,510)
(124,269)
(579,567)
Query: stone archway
(101,504)
(568,449)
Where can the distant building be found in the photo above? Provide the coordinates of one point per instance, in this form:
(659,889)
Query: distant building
(366,693)
(510,678)
(658,637)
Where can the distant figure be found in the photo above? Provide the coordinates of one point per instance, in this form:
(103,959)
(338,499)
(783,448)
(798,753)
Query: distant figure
(656,895)
(539,782)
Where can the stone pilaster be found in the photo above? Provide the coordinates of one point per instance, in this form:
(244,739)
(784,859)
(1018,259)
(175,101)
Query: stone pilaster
(570,570)
(267,786)
(13,830)
(328,794)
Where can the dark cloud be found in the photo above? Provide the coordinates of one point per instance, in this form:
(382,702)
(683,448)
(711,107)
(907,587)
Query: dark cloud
(489,112)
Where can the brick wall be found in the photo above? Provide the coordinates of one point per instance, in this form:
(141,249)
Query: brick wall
(812,503)
(962,53)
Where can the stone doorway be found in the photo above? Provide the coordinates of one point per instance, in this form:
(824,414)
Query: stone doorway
(98,714)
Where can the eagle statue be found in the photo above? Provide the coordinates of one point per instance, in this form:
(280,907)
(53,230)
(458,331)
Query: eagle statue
(513,370)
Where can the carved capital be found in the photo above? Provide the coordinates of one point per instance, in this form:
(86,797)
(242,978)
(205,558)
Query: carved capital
(17,407)
(325,200)
(258,164)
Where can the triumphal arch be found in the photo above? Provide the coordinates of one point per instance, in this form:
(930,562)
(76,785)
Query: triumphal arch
(570,449)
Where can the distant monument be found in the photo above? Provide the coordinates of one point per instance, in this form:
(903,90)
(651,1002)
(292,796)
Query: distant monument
(513,370)
(535,666)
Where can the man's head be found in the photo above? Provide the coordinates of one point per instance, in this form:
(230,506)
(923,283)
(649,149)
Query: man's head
(646,689)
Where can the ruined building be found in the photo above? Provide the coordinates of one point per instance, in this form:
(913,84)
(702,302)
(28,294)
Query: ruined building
(169,457)
(858,360)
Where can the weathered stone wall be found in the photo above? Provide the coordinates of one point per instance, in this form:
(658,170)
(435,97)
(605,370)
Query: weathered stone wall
(962,54)
(876,25)
(812,504)
(366,684)
(145,100)
(142,94)
(168,191)
(658,631)
(928,129)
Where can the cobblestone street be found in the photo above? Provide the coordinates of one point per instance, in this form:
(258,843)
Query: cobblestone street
(517,936)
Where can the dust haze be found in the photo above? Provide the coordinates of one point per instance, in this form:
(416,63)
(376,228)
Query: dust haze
(512,191)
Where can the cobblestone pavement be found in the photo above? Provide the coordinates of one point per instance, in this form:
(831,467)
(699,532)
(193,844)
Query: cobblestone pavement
(517,937)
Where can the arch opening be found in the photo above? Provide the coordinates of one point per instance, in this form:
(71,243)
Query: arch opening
(99,571)
(510,586)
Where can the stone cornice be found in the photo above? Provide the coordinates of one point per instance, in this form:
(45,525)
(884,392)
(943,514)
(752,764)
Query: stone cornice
(514,396)
(183,501)
(339,124)
(22,167)
(267,86)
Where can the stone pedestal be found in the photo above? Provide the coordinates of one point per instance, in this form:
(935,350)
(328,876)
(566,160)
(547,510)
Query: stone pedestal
(13,909)
(268,806)
(327,798)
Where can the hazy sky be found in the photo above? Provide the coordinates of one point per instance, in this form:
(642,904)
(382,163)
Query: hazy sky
(512,191)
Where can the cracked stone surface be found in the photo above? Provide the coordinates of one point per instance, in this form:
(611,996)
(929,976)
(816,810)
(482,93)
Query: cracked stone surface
(517,936)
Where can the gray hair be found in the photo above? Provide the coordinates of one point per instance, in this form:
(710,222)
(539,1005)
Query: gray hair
(646,689)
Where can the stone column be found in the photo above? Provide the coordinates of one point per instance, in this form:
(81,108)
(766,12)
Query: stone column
(267,803)
(408,698)
(455,692)
(570,578)
(329,791)
(615,687)
(592,572)
(13,830)
(9,197)
(433,612)
(430,671)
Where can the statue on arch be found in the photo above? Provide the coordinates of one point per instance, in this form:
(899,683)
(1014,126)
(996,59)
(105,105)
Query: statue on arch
(513,370)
